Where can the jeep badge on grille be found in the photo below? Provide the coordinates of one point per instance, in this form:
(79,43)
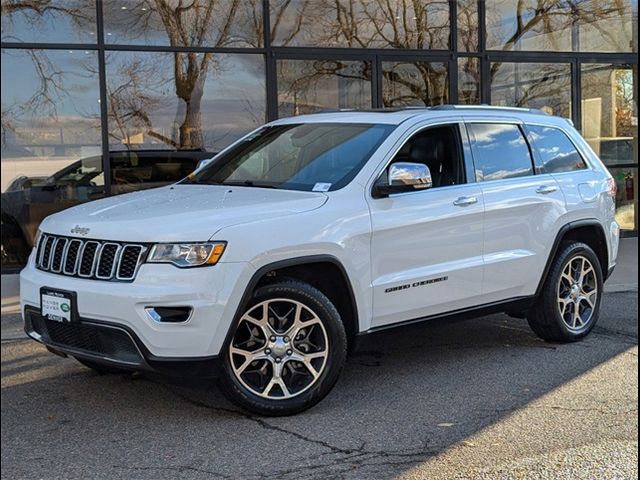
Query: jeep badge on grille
(80,230)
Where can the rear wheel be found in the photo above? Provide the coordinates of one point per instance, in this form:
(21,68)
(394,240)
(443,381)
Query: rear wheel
(286,352)
(568,307)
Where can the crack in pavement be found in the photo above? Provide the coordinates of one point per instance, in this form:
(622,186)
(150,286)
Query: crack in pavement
(356,458)
(584,409)
(612,333)
(16,339)
(266,425)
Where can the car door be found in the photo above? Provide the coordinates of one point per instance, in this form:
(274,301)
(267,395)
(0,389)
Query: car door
(521,209)
(426,247)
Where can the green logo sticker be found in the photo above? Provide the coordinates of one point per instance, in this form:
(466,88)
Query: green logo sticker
(64,307)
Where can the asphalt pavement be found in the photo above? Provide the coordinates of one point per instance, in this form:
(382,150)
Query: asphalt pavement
(483,398)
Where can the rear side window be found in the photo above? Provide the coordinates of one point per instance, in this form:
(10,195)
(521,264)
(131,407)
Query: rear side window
(499,151)
(556,153)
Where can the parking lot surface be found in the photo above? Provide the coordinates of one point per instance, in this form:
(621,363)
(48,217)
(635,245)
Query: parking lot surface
(483,398)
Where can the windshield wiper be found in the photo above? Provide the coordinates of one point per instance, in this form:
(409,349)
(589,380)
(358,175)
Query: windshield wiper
(250,183)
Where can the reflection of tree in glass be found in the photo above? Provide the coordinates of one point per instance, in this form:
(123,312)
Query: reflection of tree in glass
(186,24)
(310,85)
(467,25)
(51,89)
(555,22)
(365,24)
(132,100)
(625,105)
(361,23)
(414,83)
(191,24)
(34,13)
(59,102)
(542,85)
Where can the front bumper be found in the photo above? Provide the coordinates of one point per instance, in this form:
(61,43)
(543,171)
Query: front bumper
(111,345)
(212,293)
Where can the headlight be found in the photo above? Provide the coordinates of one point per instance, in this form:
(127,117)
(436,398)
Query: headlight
(187,254)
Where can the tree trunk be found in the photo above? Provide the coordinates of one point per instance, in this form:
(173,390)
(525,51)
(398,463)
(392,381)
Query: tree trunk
(191,127)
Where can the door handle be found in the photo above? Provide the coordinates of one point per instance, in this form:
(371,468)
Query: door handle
(546,189)
(465,201)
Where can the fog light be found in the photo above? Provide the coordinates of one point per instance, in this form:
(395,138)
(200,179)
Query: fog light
(169,314)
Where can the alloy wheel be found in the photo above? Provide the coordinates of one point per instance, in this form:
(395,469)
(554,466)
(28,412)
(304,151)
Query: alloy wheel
(577,293)
(279,349)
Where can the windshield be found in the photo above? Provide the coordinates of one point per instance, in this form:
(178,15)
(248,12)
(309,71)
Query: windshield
(82,172)
(309,157)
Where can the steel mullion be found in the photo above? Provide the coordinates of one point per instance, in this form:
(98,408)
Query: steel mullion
(104,113)
(453,26)
(270,70)
(312,52)
(576,94)
(49,46)
(377,101)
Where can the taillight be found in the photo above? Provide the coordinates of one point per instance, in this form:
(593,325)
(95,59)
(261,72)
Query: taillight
(612,187)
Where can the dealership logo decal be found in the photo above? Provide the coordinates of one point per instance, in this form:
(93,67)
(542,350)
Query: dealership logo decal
(78,230)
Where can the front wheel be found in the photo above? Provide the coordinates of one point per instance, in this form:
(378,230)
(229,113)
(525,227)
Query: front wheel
(568,306)
(286,352)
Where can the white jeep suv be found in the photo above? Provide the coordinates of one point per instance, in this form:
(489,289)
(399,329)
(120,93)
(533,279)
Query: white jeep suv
(312,232)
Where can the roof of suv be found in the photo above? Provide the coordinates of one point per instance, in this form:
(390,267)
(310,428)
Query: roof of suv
(395,116)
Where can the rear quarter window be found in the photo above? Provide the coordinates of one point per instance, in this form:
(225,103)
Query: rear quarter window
(500,151)
(555,152)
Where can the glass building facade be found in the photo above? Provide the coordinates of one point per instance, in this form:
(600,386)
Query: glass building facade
(93,89)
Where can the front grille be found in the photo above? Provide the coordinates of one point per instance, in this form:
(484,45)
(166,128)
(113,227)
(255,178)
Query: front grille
(111,342)
(94,259)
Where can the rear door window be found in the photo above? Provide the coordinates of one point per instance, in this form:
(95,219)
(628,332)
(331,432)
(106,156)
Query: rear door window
(500,151)
(556,153)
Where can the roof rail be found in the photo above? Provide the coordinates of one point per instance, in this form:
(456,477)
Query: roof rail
(488,107)
(404,108)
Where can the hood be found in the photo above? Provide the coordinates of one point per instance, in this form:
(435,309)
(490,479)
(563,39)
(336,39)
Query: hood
(179,213)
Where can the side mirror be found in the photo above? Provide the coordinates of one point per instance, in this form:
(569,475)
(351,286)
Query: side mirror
(404,177)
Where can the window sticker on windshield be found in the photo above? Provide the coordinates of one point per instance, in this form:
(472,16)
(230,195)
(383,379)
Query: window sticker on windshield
(321,187)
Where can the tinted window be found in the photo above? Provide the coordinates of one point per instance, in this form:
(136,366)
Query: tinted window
(87,171)
(139,170)
(555,150)
(499,151)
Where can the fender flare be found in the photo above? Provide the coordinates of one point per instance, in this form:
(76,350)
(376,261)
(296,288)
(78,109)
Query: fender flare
(588,222)
(290,262)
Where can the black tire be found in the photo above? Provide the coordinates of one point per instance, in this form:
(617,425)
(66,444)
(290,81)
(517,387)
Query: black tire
(101,368)
(336,349)
(545,317)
